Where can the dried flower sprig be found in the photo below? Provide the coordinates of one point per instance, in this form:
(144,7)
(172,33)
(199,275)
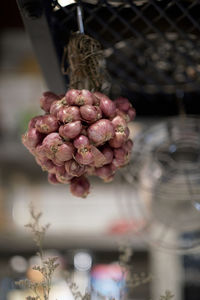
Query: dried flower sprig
(125,255)
(38,231)
(132,279)
(40,290)
(31,298)
(75,289)
(77,294)
(167,296)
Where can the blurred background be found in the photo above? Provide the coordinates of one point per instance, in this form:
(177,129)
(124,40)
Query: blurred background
(152,54)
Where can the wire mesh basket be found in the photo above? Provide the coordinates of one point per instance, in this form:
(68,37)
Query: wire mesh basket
(157,34)
(164,175)
(151,47)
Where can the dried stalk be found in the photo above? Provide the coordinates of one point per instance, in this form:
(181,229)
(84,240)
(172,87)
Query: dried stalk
(48,265)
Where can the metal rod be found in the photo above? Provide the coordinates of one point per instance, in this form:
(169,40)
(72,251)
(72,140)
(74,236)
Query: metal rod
(179,98)
(80,19)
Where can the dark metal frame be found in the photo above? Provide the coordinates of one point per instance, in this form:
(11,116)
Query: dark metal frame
(34,15)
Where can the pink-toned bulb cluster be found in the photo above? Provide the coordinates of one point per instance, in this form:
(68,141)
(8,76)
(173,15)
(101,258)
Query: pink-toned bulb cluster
(80,134)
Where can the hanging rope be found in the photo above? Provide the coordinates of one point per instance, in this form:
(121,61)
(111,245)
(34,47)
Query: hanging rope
(85,59)
(86,62)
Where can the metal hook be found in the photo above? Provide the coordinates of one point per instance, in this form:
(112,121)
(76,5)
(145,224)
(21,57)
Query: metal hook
(80,19)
